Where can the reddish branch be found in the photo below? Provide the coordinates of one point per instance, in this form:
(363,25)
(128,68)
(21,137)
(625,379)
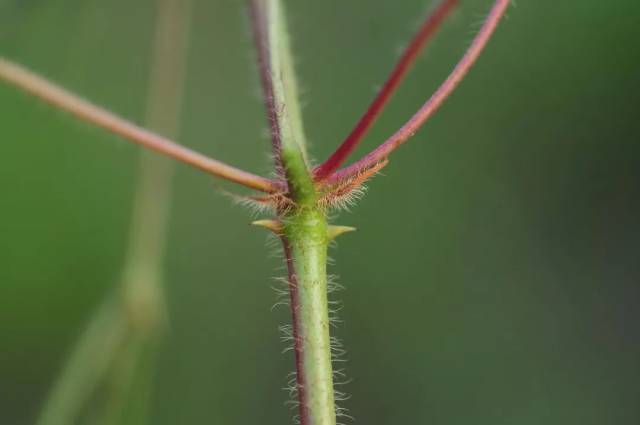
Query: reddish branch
(432,105)
(420,39)
(67,101)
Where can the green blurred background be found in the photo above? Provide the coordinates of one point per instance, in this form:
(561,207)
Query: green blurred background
(494,279)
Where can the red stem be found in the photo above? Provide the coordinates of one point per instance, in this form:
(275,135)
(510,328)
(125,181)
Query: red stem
(259,25)
(293,293)
(432,105)
(424,34)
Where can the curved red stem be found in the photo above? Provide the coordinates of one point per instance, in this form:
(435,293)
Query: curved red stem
(436,100)
(424,34)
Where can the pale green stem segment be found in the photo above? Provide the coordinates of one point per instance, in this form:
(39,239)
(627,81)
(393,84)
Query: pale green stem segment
(117,347)
(306,241)
(305,234)
(87,366)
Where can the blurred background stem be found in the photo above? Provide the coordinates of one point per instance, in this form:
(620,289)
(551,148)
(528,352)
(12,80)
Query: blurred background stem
(117,349)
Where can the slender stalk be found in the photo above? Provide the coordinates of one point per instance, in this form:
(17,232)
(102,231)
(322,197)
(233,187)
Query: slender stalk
(304,228)
(114,408)
(258,16)
(279,87)
(420,39)
(143,271)
(143,267)
(87,366)
(122,336)
(432,105)
(55,95)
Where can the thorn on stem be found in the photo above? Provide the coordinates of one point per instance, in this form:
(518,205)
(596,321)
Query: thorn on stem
(274,225)
(335,231)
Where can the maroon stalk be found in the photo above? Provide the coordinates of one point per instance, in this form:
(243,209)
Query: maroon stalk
(432,105)
(258,16)
(293,294)
(420,39)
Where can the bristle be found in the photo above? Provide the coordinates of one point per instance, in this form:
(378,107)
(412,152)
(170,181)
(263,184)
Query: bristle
(338,352)
(345,193)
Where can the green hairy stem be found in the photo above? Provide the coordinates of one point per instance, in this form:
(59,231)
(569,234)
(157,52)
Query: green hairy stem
(303,225)
(116,352)
(306,239)
(305,235)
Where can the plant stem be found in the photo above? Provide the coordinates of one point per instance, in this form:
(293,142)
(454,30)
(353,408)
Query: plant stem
(435,101)
(304,229)
(87,366)
(122,336)
(422,36)
(143,271)
(143,268)
(305,243)
(57,96)
(278,80)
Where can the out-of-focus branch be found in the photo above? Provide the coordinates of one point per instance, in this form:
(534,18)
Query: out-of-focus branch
(117,348)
